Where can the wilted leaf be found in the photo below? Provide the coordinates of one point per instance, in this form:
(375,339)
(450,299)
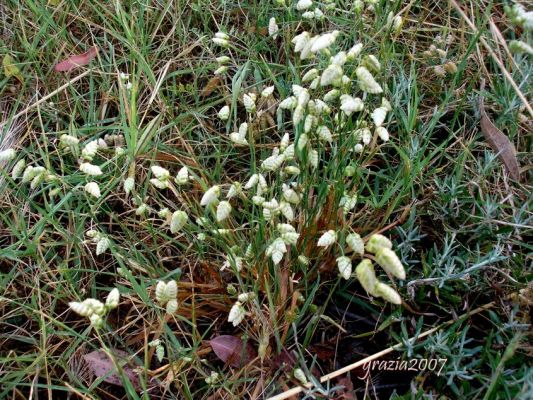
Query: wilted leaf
(211,86)
(347,391)
(230,350)
(499,142)
(102,366)
(285,359)
(11,69)
(77,60)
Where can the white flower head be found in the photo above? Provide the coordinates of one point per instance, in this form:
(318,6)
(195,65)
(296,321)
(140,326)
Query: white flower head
(221,35)
(223,210)
(376,242)
(286,210)
(102,245)
(236,314)
(171,307)
(387,293)
(90,169)
(210,196)
(276,250)
(223,59)
(220,42)
(267,92)
(159,172)
(238,139)
(113,298)
(303,5)
(313,158)
(93,189)
(355,51)
(327,239)
(129,183)
(310,75)
(80,308)
(273,28)
(249,102)
(390,262)
(90,150)
(340,58)
(345,267)
(183,176)
(300,41)
(289,103)
(372,63)
(366,276)
(331,75)
(221,70)
(159,184)
(332,95)
(178,221)
(18,169)
(355,243)
(379,115)
(273,163)
(223,113)
(324,41)
(366,81)
(383,133)
(306,52)
(68,140)
(349,105)
(324,134)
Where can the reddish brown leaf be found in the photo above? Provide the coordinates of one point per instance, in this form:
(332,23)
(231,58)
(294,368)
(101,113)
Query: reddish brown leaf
(347,392)
(211,86)
(76,60)
(102,366)
(230,350)
(499,143)
(285,360)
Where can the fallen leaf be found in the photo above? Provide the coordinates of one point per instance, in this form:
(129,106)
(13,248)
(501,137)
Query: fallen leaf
(211,86)
(499,142)
(347,391)
(230,350)
(285,359)
(77,60)
(102,366)
(11,69)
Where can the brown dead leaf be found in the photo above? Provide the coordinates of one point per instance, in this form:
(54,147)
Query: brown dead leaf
(103,366)
(230,349)
(211,86)
(347,392)
(499,142)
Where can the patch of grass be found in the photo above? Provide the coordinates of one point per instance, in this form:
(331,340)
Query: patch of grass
(459,225)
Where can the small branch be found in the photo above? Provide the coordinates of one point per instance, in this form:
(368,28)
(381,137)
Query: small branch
(348,368)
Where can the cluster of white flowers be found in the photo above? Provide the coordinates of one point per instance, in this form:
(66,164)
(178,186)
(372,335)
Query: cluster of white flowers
(159,349)
(437,51)
(101,240)
(519,16)
(221,39)
(166,294)
(312,11)
(237,312)
(94,309)
(124,77)
(381,247)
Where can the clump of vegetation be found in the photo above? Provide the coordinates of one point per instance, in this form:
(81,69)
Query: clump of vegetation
(264,194)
